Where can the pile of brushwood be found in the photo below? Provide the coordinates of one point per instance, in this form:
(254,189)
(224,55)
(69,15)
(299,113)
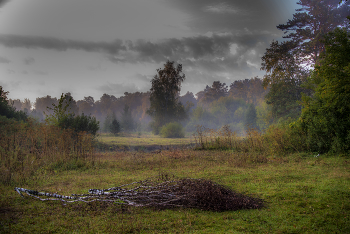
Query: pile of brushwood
(162,192)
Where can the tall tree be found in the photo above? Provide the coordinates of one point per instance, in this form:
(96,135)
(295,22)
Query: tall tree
(283,77)
(164,94)
(325,116)
(285,63)
(311,23)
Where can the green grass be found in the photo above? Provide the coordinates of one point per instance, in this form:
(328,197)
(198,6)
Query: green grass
(145,140)
(304,194)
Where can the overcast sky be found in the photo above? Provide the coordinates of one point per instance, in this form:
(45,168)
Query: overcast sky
(89,47)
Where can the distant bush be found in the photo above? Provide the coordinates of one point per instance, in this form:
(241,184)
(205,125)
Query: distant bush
(172,130)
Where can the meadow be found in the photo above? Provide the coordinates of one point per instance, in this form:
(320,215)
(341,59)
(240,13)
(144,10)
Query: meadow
(137,141)
(302,192)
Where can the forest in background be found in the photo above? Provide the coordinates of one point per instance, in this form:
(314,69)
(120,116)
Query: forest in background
(213,107)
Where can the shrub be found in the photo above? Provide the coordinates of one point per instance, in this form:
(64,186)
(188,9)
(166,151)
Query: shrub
(172,130)
(79,123)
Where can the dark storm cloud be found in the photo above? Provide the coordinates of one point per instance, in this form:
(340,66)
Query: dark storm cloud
(2,2)
(212,53)
(4,60)
(222,16)
(192,48)
(33,42)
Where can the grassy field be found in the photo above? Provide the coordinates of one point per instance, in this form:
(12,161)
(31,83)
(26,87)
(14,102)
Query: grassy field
(303,194)
(130,141)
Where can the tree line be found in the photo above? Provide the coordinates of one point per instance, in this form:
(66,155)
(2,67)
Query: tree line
(130,110)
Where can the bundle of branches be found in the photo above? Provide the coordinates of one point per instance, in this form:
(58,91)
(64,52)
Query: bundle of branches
(162,192)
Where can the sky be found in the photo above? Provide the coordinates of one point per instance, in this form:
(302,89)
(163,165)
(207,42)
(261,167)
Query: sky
(89,47)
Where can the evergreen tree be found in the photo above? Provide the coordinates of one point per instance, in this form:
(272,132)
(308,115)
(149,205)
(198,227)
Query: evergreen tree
(285,62)
(311,23)
(284,78)
(114,127)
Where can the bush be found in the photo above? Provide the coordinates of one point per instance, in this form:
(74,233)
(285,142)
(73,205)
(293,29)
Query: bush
(79,123)
(172,130)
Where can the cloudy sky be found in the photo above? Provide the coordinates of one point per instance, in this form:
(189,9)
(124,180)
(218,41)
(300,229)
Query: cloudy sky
(89,47)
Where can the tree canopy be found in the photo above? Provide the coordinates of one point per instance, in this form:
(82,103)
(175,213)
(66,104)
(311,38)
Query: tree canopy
(164,94)
(325,115)
(311,23)
(287,63)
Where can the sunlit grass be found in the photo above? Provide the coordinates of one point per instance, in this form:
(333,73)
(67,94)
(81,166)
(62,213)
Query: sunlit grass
(303,193)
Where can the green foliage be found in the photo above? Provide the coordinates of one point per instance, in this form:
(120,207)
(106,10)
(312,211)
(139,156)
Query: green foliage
(285,62)
(216,91)
(284,79)
(114,127)
(9,111)
(164,95)
(172,130)
(311,23)
(79,123)
(59,111)
(65,120)
(250,90)
(325,115)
